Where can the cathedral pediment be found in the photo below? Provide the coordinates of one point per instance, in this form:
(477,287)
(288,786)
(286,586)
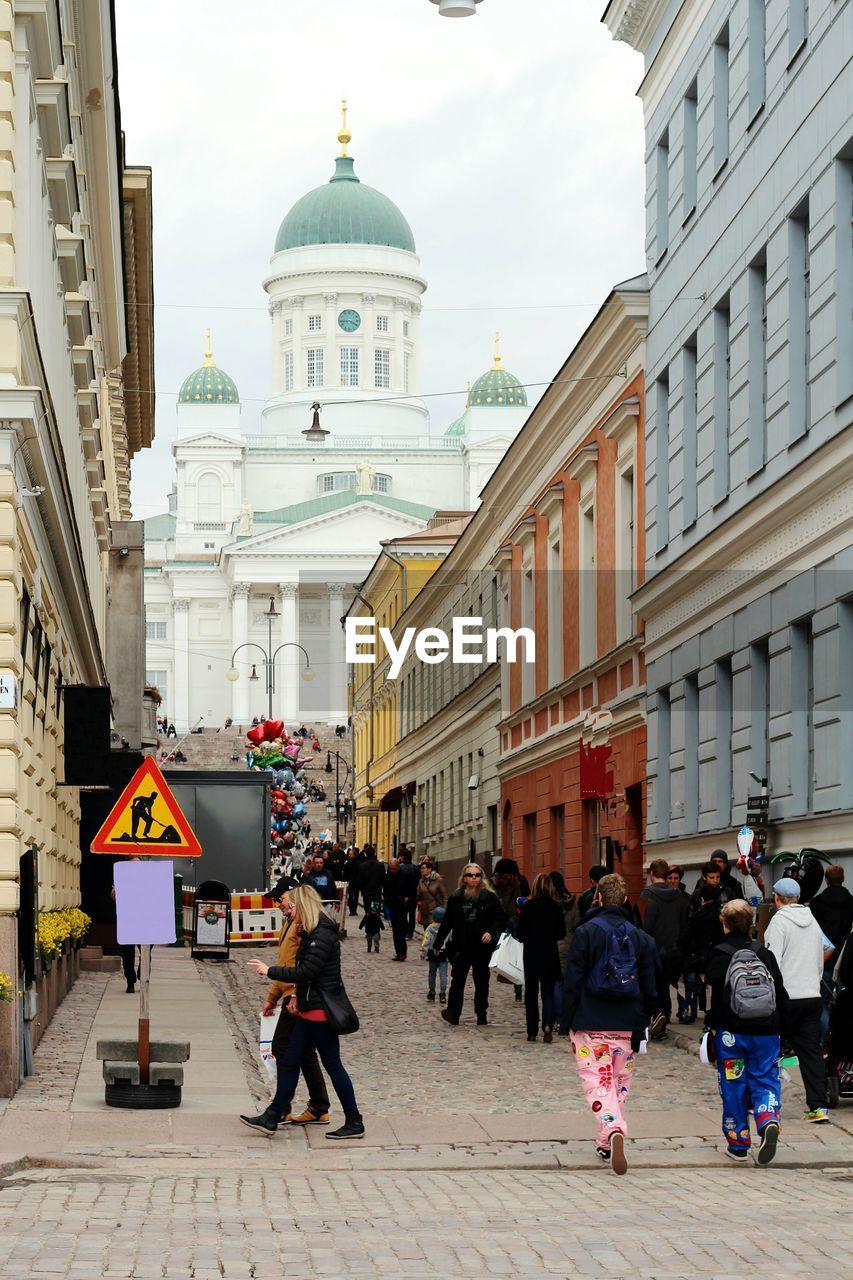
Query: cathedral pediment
(204,439)
(358,527)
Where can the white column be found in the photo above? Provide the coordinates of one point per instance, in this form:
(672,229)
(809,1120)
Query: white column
(181,626)
(330,335)
(337,679)
(367,375)
(290,661)
(239,635)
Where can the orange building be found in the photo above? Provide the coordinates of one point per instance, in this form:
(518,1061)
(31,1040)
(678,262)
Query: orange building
(572,731)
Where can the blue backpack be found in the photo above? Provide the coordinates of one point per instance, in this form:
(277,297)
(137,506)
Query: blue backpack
(614,975)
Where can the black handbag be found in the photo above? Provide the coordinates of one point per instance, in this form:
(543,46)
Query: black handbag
(342,1017)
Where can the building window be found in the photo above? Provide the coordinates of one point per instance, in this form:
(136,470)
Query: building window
(844,275)
(209,498)
(406,364)
(587,592)
(690,149)
(759,708)
(382,367)
(209,546)
(381,484)
(757,67)
(798,25)
(315,324)
(528,619)
(288,328)
(662,198)
(315,366)
(798,322)
(721,99)
(662,460)
(555,613)
(349,366)
(723,747)
(661,786)
(626,556)
(158,680)
(155,631)
(757,341)
(381,324)
(288,370)
(690,770)
(405,328)
(722,384)
(690,418)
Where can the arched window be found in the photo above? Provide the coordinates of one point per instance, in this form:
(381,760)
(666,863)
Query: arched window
(209,498)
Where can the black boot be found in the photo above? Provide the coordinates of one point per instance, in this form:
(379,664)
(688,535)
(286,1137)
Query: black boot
(352,1128)
(266,1122)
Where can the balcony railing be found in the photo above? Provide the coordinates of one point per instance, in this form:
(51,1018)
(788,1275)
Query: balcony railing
(408,444)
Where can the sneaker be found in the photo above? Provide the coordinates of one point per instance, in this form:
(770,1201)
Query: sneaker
(518,997)
(657,1027)
(266,1122)
(448,1017)
(430,995)
(769,1139)
(398,957)
(130,989)
(309,1117)
(547,1035)
(482,1022)
(442,999)
(820,1115)
(603,1153)
(618,1163)
(350,1129)
(532,1039)
(740,1155)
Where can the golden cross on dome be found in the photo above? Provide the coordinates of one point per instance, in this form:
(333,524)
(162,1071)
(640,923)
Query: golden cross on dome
(496,363)
(208,354)
(344,137)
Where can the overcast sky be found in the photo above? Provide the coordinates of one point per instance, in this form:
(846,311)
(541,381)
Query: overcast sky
(512,141)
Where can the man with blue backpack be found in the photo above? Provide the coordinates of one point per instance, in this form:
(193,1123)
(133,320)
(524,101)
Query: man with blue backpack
(609,991)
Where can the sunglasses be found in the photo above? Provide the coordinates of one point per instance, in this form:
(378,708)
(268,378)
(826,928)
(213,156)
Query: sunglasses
(473,875)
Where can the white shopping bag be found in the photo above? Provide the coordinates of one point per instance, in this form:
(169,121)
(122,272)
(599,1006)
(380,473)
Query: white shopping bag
(268,1026)
(508,960)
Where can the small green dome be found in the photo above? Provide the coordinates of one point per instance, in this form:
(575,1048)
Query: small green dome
(345,211)
(208,385)
(456,428)
(497,388)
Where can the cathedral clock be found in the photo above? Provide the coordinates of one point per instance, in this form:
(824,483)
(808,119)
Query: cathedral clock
(349,320)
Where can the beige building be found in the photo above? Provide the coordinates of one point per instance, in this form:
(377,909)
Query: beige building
(76,402)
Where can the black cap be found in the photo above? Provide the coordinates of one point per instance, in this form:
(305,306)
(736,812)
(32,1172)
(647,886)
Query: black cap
(281,887)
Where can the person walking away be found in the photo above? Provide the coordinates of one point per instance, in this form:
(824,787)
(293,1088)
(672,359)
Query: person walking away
(317,971)
(609,990)
(317,1110)
(431,891)
(664,911)
(702,933)
(568,904)
(796,940)
(541,925)
(437,963)
(351,870)
(372,924)
(412,875)
(475,918)
(748,1007)
(510,885)
(371,878)
(833,910)
(396,896)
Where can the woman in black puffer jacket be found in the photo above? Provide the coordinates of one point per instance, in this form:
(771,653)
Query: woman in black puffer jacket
(317,969)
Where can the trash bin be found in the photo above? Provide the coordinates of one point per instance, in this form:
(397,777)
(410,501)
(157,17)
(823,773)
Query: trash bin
(212,921)
(179,910)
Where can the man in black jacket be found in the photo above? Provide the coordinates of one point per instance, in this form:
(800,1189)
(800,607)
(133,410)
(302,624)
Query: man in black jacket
(609,990)
(664,910)
(397,889)
(475,919)
(371,878)
(833,909)
(746,1048)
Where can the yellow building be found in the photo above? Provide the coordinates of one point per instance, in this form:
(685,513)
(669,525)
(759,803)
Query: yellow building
(401,571)
(76,403)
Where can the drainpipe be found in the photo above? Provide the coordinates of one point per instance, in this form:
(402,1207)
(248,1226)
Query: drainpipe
(372,611)
(404,581)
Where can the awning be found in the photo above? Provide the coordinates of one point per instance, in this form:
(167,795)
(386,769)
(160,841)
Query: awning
(391,801)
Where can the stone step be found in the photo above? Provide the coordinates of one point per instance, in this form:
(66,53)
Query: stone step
(99,964)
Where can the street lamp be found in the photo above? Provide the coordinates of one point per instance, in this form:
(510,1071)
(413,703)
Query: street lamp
(269,658)
(315,433)
(456,8)
(339,807)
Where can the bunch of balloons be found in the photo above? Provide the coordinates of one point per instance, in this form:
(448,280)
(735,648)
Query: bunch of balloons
(269,747)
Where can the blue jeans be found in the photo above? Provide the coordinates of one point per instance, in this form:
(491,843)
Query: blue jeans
(437,967)
(694,994)
(748,1075)
(317,1035)
(373,942)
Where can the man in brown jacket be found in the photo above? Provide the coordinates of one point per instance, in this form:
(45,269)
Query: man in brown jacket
(317,1111)
(431,892)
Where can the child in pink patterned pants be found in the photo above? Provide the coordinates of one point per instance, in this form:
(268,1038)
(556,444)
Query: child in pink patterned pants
(606,1068)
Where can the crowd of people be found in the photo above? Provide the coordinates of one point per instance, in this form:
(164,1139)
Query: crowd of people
(596,968)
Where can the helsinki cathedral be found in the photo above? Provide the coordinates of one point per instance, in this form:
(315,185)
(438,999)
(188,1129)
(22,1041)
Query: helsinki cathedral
(298,520)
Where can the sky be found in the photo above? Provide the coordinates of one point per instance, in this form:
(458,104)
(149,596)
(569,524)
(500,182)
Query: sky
(512,141)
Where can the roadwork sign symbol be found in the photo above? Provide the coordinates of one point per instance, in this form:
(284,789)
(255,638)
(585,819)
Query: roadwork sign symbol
(147,820)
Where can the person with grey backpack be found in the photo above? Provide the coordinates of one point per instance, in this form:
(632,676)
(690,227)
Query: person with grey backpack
(749,1008)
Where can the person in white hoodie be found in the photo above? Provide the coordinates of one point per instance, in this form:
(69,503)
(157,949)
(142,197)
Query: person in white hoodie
(796,940)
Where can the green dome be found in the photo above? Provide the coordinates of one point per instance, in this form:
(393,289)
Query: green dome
(497,388)
(456,428)
(208,385)
(344,211)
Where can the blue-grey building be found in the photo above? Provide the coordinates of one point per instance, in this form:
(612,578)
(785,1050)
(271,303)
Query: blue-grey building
(748,598)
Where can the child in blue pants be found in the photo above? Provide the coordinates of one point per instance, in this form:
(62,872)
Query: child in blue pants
(437,964)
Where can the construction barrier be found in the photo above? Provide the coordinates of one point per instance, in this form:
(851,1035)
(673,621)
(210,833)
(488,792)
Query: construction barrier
(256,918)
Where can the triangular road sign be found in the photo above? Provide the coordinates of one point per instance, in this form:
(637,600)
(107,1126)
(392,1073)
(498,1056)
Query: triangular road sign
(146,820)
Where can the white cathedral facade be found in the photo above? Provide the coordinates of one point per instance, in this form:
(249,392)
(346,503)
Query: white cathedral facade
(344,288)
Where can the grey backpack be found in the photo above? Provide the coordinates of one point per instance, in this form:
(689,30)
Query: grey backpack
(750,988)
